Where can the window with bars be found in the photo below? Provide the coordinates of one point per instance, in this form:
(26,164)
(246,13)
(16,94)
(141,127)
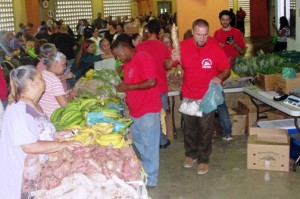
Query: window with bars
(72,11)
(7,15)
(293,18)
(116,8)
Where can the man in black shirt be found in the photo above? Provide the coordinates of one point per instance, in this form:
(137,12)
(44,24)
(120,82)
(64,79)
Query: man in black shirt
(66,44)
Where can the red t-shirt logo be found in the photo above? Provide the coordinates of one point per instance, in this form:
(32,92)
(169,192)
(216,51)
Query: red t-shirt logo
(130,73)
(206,63)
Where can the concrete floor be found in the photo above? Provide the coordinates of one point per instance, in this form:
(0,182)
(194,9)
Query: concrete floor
(228,176)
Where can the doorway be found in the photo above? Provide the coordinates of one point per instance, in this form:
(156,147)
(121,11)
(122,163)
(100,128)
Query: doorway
(164,7)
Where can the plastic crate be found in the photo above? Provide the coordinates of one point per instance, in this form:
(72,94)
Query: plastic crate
(294,134)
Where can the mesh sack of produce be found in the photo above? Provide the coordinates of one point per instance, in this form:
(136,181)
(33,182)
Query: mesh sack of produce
(108,76)
(175,76)
(87,86)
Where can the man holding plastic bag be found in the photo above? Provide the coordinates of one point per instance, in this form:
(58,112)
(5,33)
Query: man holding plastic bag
(203,61)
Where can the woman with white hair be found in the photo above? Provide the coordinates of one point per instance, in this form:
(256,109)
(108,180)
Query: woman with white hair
(55,96)
(26,134)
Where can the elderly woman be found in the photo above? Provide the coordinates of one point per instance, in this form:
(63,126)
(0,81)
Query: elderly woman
(26,130)
(55,96)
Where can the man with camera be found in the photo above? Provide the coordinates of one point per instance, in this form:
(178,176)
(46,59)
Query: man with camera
(232,41)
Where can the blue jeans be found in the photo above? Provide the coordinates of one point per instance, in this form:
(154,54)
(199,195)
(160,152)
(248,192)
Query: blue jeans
(224,119)
(145,134)
(165,105)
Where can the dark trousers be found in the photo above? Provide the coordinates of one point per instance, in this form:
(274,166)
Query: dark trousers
(280,46)
(198,133)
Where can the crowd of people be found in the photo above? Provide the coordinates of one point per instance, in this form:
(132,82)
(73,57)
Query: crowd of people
(141,51)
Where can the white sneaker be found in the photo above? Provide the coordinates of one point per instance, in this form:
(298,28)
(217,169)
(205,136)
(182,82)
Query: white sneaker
(227,137)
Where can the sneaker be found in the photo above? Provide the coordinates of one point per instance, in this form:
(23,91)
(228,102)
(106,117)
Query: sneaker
(164,146)
(202,168)
(227,137)
(189,162)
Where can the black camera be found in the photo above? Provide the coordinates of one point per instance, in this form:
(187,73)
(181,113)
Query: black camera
(229,39)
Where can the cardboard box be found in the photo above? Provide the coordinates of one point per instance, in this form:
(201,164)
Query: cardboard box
(233,98)
(277,115)
(268,149)
(287,85)
(267,82)
(247,107)
(238,121)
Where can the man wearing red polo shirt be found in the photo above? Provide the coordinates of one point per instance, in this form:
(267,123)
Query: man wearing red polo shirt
(143,100)
(202,60)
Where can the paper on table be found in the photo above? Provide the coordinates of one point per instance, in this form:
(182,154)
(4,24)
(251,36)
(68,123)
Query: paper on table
(268,94)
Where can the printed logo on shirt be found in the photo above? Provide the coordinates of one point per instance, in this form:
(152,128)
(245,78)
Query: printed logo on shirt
(130,73)
(206,63)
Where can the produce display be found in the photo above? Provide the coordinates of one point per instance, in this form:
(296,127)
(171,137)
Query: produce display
(74,112)
(100,83)
(264,63)
(106,166)
(100,133)
(93,172)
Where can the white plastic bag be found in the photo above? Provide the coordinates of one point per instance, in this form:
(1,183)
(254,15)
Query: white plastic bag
(190,107)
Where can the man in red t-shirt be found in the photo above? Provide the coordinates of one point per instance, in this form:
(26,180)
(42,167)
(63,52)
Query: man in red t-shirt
(159,51)
(202,60)
(143,100)
(233,44)
(229,38)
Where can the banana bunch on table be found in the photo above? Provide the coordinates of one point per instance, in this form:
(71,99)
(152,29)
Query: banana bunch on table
(100,133)
(74,113)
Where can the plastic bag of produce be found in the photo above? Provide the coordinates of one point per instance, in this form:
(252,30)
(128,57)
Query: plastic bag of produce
(32,169)
(212,98)
(288,73)
(109,90)
(190,107)
(107,75)
(97,117)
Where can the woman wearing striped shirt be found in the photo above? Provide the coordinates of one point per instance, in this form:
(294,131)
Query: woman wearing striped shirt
(55,96)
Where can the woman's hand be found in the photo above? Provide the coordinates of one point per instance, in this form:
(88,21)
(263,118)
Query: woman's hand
(71,144)
(60,135)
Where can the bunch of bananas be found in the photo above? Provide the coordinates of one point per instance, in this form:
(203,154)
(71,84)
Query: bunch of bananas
(75,111)
(100,133)
(66,116)
(113,139)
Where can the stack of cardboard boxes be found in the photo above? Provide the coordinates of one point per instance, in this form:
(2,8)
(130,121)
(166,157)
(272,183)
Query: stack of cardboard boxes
(267,148)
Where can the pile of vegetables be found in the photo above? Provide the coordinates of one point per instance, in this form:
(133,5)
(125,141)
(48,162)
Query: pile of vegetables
(75,111)
(106,172)
(264,63)
(100,83)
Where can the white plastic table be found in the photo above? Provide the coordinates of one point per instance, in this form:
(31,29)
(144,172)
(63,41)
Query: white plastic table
(254,94)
